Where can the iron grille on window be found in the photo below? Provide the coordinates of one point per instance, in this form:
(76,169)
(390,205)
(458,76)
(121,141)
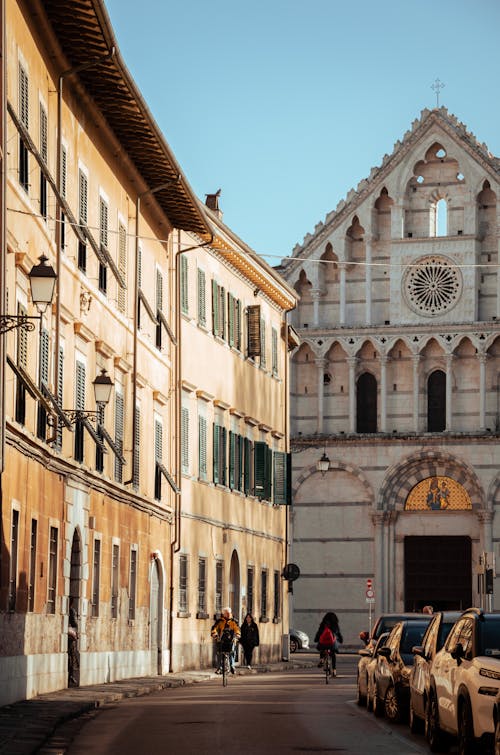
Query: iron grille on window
(202,586)
(32,581)
(133,583)
(52,585)
(115,584)
(219,569)
(96,577)
(263,594)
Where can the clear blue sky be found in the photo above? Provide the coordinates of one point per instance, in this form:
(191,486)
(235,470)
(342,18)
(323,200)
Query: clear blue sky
(287,104)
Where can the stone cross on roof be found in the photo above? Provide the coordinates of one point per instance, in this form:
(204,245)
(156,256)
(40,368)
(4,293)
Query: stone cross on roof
(436,87)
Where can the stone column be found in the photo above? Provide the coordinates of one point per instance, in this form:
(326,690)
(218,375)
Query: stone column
(320,363)
(416,391)
(379,576)
(342,270)
(482,390)
(352,361)
(368,280)
(315,296)
(449,385)
(486,519)
(383,392)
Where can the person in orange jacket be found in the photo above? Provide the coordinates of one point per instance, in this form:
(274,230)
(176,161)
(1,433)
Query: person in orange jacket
(226,629)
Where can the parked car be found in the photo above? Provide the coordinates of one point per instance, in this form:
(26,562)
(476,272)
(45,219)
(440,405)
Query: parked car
(465,679)
(365,670)
(432,641)
(298,640)
(384,623)
(496,723)
(393,666)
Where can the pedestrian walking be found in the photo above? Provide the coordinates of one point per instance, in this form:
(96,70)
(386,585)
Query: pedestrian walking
(249,638)
(330,621)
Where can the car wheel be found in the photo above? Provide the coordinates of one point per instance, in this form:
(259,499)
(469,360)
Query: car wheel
(466,740)
(294,645)
(360,698)
(433,733)
(392,707)
(414,721)
(378,704)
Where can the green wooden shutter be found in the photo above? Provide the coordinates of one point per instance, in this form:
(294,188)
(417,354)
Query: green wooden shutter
(119,423)
(223,456)
(247,466)
(185,440)
(202,307)
(202,447)
(60,396)
(230,312)
(215,463)
(122,265)
(184,285)
(260,468)
(274,349)
(282,478)
(137,448)
(262,342)
(237,325)
(222,312)
(215,308)
(232,460)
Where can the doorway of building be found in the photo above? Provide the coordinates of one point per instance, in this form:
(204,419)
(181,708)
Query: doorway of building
(75,573)
(438,572)
(154,618)
(234,586)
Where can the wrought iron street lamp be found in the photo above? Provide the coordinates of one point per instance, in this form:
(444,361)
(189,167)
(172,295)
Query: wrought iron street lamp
(102,392)
(323,464)
(42,282)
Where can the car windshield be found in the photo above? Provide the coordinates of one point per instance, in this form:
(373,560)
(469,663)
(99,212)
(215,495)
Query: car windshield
(490,637)
(412,635)
(386,624)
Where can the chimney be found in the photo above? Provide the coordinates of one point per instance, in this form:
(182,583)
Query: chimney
(212,202)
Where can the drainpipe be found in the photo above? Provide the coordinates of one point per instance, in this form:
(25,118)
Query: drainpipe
(65,74)
(136,314)
(3,230)
(175,545)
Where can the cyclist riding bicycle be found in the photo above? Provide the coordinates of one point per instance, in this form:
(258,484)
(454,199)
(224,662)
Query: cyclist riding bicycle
(226,631)
(328,638)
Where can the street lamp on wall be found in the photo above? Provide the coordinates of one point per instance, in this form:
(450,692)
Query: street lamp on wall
(102,393)
(323,464)
(42,282)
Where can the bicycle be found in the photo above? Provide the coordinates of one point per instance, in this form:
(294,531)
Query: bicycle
(327,664)
(225,652)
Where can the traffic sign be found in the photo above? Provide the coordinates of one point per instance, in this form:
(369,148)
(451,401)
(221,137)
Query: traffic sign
(370,593)
(369,583)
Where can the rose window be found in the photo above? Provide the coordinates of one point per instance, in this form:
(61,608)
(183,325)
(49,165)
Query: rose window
(432,285)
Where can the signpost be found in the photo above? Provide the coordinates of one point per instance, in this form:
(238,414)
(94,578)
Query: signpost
(370,599)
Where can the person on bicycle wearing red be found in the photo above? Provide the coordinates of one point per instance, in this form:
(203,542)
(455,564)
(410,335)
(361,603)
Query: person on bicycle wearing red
(328,637)
(228,627)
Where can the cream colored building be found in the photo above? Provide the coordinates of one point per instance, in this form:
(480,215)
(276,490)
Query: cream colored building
(397,383)
(232,547)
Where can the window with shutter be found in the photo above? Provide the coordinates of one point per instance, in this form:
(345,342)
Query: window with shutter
(43,154)
(263,594)
(232,460)
(219,586)
(83,217)
(79,404)
(185,440)
(222,312)
(96,577)
(277,597)
(183,583)
(247,466)
(13,565)
(22,360)
(158,457)
(60,395)
(137,449)
(122,266)
(119,423)
(201,304)
(64,179)
(250,589)
(262,470)
(202,588)
(237,325)
(52,570)
(215,308)
(24,118)
(184,285)
(115,580)
(202,447)
(159,305)
(43,376)
(274,349)
(262,342)
(103,240)
(215,454)
(253,330)
(133,584)
(230,317)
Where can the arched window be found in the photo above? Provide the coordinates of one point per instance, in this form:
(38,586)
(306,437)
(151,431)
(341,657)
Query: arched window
(436,402)
(441,218)
(366,404)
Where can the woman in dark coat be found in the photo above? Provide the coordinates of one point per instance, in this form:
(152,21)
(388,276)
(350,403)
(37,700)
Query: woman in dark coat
(330,620)
(249,638)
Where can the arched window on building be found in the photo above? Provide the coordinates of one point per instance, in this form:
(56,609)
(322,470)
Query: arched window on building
(436,402)
(441,218)
(366,404)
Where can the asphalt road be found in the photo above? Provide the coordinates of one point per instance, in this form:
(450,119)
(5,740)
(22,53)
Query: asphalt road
(290,712)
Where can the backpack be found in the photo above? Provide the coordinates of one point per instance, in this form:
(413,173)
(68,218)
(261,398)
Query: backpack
(327,638)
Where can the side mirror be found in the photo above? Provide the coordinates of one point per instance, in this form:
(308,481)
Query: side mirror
(458,652)
(364,636)
(365,653)
(418,650)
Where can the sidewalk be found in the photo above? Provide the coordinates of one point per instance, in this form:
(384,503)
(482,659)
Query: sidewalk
(30,726)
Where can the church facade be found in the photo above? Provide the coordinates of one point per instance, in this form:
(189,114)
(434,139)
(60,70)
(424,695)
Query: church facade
(396,385)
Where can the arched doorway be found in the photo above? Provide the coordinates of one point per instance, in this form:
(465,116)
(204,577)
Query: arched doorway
(234,586)
(154,618)
(75,573)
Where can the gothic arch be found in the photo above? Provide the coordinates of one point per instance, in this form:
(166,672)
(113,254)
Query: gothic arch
(336,465)
(415,468)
